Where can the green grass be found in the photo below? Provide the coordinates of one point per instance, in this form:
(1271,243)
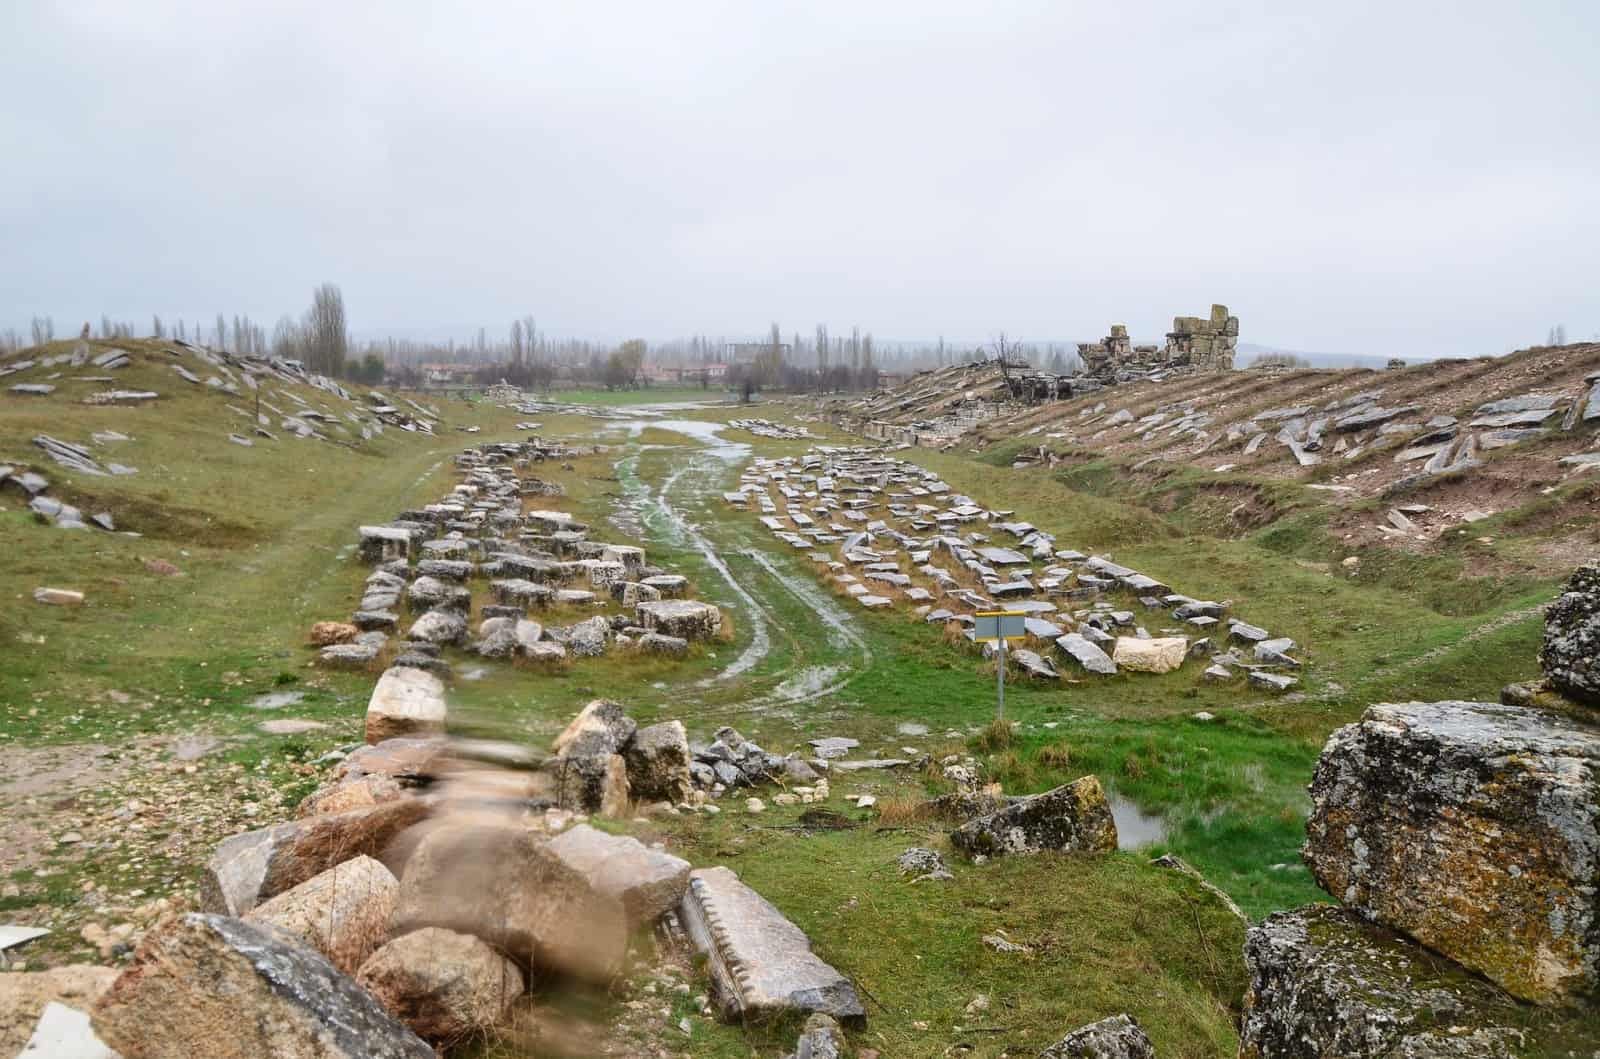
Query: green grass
(264,535)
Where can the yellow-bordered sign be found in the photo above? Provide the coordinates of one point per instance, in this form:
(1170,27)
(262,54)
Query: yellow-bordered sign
(1000,625)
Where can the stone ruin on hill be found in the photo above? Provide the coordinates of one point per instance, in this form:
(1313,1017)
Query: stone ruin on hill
(1462,840)
(1195,342)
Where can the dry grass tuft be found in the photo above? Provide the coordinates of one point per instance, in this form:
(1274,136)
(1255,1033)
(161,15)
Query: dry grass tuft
(1056,755)
(998,735)
(898,809)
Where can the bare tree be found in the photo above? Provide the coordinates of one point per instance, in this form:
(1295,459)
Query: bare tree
(822,346)
(516,343)
(44,330)
(326,338)
(1006,351)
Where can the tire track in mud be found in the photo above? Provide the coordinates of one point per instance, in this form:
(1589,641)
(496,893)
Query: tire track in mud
(698,477)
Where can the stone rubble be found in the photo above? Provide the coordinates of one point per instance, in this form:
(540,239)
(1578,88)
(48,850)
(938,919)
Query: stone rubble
(899,529)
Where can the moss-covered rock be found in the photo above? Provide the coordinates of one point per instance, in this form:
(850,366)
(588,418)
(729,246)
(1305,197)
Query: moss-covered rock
(1473,827)
(1325,983)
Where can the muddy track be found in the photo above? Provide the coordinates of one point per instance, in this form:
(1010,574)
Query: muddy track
(660,513)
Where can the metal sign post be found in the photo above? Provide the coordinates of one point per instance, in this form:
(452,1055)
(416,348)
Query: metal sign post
(999,626)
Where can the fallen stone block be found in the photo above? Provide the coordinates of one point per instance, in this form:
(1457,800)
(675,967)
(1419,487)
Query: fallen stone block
(213,986)
(685,618)
(1087,654)
(58,597)
(343,912)
(1074,816)
(65,1033)
(252,867)
(648,882)
(657,759)
(1471,827)
(1322,982)
(601,727)
(1276,683)
(1158,655)
(504,885)
(1118,1037)
(591,783)
(406,702)
(760,963)
(383,543)
(446,987)
(1570,655)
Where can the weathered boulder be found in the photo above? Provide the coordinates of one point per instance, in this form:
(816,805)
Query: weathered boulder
(446,987)
(759,962)
(1086,654)
(358,793)
(648,882)
(656,643)
(591,783)
(1472,827)
(24,995)
(506,886)
(601,727)
(439,626)
(1118,1037)
(588,639)
(1324,983)
(821,1038)
(325,633)
(406,702)
(382,543)
(687,619)
(431,593)
(219,987)
(1570,656)
(1074,816)
(343,912)
(248,869)
(657,759)
(1161,654)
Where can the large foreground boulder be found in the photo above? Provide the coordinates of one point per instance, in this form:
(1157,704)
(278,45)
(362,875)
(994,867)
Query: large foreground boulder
(406,702)
(760,963)
(648,882)
(446,987)
(1325,983)
(225,989)
(343,913)
(1118,1037)
(248,869)
(1571,652)
(1074,816)
(505,885)
(1473,827)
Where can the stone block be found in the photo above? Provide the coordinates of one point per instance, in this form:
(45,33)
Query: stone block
(1470,826)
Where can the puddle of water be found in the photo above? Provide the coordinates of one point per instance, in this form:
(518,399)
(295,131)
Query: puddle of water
(1135,828)
(275,700)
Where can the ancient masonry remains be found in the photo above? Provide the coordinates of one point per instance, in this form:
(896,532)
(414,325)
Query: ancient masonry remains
(478,554)
(1199,343)
(1460,840)
(902,537)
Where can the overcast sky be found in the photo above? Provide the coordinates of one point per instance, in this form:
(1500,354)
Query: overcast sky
(1389,178)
